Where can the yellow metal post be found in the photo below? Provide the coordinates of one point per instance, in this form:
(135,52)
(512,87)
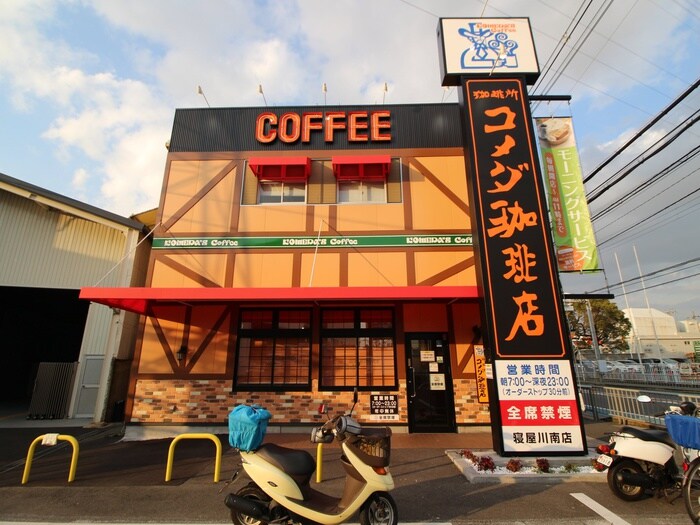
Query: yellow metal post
(59,437)
(319,463)
(171,453)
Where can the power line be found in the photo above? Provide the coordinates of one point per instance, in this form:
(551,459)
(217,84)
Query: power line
(646,128)
(673,281)
(642,160)
(657,177)
(651,275)
(650,217)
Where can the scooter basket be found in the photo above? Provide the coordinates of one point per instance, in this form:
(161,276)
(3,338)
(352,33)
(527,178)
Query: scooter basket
(372,446)
(247,426)
(685,430)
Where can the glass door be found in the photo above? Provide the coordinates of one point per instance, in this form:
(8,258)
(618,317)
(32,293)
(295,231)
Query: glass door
(429,384)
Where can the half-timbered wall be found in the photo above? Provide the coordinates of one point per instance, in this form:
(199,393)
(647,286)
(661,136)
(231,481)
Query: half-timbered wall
(206,195)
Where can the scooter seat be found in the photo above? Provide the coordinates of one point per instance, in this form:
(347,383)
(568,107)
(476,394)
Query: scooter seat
(650,435)
(297,463)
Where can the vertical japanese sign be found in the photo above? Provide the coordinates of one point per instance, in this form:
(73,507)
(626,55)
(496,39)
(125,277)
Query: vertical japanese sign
(522,304)
(571,222)
(481,376)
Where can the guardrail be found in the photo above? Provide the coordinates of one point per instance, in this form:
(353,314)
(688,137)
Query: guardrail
(620,403)
(654,375)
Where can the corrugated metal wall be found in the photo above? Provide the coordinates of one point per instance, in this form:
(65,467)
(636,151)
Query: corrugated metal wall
(44,248)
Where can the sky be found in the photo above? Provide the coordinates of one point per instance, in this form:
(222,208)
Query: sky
(90,89)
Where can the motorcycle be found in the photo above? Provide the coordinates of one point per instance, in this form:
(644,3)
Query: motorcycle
(280,492)
(640,460)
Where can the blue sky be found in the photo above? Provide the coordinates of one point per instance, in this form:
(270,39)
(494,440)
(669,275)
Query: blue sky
(90,89)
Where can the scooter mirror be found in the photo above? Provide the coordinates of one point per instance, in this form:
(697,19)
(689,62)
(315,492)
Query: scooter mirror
(354,395)
(322,409)
(644,399)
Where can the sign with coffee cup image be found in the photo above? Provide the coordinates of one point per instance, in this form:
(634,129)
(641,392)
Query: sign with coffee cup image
(572,230)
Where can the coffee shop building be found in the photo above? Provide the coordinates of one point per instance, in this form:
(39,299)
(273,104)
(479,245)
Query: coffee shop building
(303,252)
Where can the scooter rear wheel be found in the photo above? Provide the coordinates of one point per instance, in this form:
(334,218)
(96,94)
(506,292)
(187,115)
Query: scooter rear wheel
(379,509)
(620,489)
(253,492)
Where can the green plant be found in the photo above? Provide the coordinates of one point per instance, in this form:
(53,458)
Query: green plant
(485,463)
(542,464)
(570,468)
(514,465)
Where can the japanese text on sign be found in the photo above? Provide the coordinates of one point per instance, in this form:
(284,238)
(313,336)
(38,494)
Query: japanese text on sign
(384,407)
(514,233)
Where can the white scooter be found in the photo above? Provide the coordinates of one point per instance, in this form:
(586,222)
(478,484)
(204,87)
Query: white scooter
(280,492)
(646,459)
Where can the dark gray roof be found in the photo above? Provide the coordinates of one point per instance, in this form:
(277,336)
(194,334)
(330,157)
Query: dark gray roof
(118,219)
(233,129)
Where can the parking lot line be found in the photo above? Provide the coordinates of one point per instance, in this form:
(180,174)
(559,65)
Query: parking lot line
(596,507)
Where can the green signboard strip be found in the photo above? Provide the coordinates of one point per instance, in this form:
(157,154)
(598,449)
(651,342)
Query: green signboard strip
(361,241)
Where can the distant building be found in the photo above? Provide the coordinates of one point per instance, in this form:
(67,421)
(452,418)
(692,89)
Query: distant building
(690,326)
(655,333)
(65,357)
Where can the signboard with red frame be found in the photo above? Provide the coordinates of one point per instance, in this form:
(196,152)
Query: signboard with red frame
(523,309)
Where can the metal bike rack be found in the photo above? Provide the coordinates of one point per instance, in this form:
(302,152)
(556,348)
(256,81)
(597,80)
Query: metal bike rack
(50,440)
(171,453)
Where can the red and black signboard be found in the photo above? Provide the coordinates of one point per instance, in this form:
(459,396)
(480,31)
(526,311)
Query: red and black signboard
(518,275)
(534,405)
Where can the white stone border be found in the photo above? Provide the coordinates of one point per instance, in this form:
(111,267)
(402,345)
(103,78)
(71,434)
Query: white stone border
(468,470)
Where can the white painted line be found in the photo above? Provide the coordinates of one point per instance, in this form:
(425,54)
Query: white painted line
(596,507)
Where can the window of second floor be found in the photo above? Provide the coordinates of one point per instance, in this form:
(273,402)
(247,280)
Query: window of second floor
(323,187)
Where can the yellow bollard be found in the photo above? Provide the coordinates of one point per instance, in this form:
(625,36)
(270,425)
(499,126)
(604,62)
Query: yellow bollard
(171,453)
(319,463)
(51,440)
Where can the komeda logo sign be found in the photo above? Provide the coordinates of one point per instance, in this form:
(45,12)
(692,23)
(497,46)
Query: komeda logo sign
(486,46)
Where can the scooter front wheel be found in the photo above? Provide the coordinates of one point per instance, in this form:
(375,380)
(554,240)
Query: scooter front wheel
(252,492)
(379,509)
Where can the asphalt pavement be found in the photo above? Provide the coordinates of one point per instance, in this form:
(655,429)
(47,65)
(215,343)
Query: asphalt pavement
(123,481)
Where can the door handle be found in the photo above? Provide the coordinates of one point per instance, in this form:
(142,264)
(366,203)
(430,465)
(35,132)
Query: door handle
(413,382)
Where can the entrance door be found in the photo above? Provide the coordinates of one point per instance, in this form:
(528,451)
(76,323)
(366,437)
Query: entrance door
(429,384)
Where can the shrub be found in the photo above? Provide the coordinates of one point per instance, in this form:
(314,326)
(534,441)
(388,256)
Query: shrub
(514,465)
(486,463)
(542,464)
(570,468)
(468,454)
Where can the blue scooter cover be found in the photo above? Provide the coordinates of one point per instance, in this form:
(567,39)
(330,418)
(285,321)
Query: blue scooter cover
(685,430)
(247,426)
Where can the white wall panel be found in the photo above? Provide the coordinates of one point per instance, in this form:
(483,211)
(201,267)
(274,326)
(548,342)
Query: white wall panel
(42,247)
(96,330)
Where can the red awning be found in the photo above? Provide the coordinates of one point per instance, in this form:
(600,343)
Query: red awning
(366,167)
(142,300)
(282,169)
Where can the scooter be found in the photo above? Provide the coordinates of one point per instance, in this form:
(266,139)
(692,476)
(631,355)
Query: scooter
(641,460)
(280,492)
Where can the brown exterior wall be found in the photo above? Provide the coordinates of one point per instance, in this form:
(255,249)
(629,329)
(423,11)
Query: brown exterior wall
(201,197)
